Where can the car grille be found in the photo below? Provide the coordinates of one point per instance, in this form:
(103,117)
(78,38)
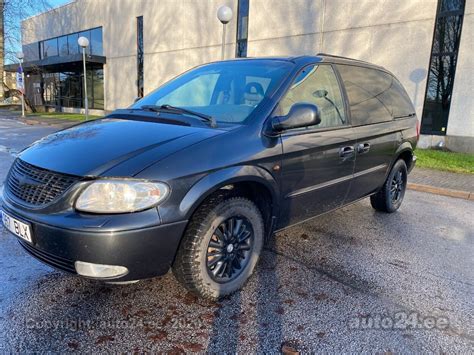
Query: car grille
(36,186)
(53,260)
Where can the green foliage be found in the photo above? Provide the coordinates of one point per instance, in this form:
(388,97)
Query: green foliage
(446,161)
(62,115)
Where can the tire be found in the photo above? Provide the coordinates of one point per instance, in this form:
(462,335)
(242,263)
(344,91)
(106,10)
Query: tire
(195,266)
(390,196)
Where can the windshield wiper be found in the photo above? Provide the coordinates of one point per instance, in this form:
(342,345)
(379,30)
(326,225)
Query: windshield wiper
(180,111)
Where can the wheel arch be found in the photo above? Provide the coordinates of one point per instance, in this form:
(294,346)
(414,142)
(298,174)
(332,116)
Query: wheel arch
(252,182)
(405,152)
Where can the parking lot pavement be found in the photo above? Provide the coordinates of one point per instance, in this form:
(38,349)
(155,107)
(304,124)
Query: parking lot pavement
(351,280)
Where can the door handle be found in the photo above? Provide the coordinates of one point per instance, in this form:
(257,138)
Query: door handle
(346,151)
(363,148)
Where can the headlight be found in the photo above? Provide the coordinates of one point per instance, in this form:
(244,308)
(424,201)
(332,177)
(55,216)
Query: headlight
(119,196)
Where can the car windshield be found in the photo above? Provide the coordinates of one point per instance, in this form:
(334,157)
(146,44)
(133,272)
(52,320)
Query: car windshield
(227,91)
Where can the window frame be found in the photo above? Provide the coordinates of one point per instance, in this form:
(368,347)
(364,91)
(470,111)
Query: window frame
(315,129)
(242,27)
(79,51)
(380,69)
(454,54)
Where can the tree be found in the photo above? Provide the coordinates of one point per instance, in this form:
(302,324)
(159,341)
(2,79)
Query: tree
(12,12)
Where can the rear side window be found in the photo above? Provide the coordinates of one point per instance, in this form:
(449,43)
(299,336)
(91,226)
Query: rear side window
(400,101)
(374,96)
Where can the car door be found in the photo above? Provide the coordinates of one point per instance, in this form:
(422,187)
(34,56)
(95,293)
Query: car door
(368,91)
(317,161)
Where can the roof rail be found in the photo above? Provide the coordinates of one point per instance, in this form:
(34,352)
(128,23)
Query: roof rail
(347,58)
(334,56)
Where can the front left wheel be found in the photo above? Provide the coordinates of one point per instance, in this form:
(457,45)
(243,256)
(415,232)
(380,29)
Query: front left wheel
(221,247)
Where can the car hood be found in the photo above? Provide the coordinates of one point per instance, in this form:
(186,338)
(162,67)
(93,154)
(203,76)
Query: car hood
(112,147)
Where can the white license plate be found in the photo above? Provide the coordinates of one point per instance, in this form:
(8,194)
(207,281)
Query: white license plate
(18,228)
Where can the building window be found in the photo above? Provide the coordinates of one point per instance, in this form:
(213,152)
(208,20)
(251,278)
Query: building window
(140,56)
(242,28)
(50,48)
(96,41)
(73,47)
(63,47)
(66,89)
(444,54)
(67,44)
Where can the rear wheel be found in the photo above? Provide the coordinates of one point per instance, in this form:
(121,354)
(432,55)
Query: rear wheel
(390,197)
(220,247)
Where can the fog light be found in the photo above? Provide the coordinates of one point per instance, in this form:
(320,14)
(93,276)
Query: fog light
(99,270)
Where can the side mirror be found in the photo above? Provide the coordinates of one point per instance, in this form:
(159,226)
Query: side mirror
(300,115)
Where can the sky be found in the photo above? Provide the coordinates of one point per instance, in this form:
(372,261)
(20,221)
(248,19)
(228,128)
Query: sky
(56,3)
(14,47)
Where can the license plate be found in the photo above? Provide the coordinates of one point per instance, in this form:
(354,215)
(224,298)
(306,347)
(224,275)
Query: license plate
(17,227)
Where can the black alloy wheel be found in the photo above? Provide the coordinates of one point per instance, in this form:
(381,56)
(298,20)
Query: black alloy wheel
(221,246)
(229,249)
(397,186)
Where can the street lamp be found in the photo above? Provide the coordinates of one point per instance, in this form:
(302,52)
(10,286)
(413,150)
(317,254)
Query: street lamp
(21,87)
(224,14)
(84,43)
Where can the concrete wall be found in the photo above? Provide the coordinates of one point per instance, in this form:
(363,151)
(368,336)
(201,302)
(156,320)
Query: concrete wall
(461,113)
(394,34)
(178,35)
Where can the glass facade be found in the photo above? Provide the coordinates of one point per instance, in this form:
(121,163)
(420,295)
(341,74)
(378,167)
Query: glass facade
(242,28)
(442,69)
(72,45)
(62,84)
(67,44)
(140,57)
(66,89)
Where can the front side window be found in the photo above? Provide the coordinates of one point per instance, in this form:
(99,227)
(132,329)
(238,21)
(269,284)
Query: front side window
(228,91)
(318,85)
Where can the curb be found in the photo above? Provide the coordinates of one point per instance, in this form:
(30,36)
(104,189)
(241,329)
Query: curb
(466,195)
(43,122)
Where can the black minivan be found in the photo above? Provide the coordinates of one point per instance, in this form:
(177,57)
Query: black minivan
(199,173)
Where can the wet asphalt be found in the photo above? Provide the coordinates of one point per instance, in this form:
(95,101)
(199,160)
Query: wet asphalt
(351,280)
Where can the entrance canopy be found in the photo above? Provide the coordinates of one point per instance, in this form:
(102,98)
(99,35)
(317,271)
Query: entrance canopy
(55,64)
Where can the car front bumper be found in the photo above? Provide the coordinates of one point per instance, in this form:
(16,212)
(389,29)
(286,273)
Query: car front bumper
(135,241)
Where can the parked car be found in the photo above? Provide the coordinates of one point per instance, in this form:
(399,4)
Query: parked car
(199,173)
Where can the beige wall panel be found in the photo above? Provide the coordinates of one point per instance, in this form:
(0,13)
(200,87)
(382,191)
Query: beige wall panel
(346,14)
(280,18)
(461,115)
(120,87)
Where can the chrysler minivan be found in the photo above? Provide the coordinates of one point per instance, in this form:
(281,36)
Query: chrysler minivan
(197,175)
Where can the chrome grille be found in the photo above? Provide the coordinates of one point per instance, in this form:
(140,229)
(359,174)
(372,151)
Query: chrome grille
(36,186)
